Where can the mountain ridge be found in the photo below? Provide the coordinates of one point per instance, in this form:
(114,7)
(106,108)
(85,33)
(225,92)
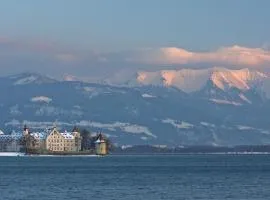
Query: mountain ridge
(141,114)
(187,80)
(191,80)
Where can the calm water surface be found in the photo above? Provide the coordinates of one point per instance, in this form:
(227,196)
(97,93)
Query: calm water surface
(201,177)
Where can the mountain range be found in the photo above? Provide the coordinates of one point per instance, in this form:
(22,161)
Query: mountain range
(215,106)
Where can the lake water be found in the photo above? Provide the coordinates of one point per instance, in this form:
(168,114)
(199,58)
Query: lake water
(167,177)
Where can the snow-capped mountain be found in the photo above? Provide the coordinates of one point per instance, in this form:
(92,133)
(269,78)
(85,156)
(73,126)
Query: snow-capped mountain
(214,106)
(193,80)
(220,85)
(28,78)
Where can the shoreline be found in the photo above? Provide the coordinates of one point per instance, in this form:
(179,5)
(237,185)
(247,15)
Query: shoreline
(18,154)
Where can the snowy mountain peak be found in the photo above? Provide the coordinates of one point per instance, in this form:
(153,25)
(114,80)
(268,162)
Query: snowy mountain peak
(27,78)
(71,78)
(242,79)
(191,80)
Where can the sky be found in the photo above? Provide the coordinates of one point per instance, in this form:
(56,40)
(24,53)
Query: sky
(94,37)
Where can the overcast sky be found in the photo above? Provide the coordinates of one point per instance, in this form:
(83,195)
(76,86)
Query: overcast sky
(93,37)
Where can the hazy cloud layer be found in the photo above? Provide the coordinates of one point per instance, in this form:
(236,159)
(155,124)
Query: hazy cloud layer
(54,59)
(233,56)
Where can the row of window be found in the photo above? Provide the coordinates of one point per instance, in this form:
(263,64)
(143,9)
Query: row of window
(60,141)
(60,144)
(60,149)
(57,149)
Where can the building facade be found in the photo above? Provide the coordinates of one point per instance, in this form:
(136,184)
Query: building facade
(101,145)
(34,141)
(63,142)
(11,142)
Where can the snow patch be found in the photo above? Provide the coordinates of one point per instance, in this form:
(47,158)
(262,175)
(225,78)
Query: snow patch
(220,101)
(244,98)
(110,135)
(36,125)
(13,122)
(71,78)
(14,110)
(242,128)
(41,99)
(182,125)
(208,124)
(10,154)
(26,80)
(89,89)
(148,96)
(54,111)
(144,138)
(249,128)
(265,132)
(162,146)
(126,127)
(126,146)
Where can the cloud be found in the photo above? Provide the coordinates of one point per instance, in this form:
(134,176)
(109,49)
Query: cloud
(55,59)
(235,55)
(10,46)
(39,56)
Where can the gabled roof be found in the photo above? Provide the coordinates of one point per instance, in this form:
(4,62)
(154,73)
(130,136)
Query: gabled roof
(100,139)
(67,135)
(38,135)
(10,137)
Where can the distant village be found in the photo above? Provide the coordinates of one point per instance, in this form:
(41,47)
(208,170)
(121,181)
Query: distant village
(54,142)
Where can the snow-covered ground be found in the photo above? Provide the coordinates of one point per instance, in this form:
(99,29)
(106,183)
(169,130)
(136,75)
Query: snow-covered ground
(148,96)
(124,127)
(41,99)
(176,124)
(11,154)
(220,101)
(16,154)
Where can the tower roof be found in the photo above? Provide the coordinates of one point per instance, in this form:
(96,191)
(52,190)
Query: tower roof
(100,138)
(75,129)
(25,127)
